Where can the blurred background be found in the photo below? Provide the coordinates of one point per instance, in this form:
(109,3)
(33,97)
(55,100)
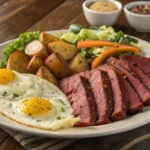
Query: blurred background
(18,16)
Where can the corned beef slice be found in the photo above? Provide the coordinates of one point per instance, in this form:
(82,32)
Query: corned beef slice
(79,93)
(133,104)
(142,63)
(102,92)
(141,90)
(119,112)
(137,73)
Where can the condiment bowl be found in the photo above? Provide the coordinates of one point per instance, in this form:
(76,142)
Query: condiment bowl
(95,18)
(139,22)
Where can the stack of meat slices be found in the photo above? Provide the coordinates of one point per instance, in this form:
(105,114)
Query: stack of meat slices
(110,92)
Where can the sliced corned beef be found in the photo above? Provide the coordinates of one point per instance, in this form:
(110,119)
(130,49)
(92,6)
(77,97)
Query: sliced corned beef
(141,62)
(137,73)
(102,92)
(119,112)
(133,104)
(141,90)
(78,91)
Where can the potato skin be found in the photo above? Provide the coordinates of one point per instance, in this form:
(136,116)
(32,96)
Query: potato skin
(43,54)
(45,73)
(34,64)
(46,38)
(18,61)
(66,50)
(36,48)
(58,66)
(78,64)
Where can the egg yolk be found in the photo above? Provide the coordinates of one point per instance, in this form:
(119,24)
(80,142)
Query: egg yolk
(6,76)
(35,106)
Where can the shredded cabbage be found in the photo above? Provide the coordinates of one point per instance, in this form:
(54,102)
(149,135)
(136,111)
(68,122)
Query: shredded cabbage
(105,33)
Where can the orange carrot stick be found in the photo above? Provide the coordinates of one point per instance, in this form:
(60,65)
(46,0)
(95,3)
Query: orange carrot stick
(96,43)
(111,51)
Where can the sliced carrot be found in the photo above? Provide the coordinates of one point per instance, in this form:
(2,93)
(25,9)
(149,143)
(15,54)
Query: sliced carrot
(96,43)
(111,51)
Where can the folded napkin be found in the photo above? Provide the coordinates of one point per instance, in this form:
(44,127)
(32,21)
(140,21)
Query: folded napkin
(31,142)
(137,139)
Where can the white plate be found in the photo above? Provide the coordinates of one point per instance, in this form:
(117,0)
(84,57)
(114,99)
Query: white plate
(84,132)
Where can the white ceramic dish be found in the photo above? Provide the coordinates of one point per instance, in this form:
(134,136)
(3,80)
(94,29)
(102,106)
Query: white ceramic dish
(101,18)
(139,22)
(84,132)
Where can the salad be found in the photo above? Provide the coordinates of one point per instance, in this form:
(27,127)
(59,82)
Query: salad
(77,33)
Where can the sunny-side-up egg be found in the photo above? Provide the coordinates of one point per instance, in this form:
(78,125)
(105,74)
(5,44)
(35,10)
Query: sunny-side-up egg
(34,101)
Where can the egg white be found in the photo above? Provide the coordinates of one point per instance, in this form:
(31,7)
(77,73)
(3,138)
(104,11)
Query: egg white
(53,120)
(22,87)
(29,86)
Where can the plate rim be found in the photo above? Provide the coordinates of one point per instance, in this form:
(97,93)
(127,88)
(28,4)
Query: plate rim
(58,134)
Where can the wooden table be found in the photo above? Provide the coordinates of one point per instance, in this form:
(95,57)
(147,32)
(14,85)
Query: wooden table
(18,16)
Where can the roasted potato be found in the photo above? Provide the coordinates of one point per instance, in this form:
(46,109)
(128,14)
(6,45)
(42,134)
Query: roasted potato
(66,50)
(46,38)
(78,64)
(18,61)
(34,64)
(36,48)
(45,73)
(58,66)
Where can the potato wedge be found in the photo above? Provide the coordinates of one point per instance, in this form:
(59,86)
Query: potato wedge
(36,48)
(45,73)
(18,61)
(46,38)
(78,64)
(34,64)
(66,50)
(58,66)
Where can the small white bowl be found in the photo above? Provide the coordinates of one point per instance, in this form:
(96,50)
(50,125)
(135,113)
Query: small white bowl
(95,18)
(139,22)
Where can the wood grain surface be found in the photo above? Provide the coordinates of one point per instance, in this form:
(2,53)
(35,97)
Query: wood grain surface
(12,7)
(3,1)
(26,17)
(18,16)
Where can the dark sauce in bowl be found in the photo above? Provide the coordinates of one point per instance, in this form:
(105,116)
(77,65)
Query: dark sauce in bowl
(141,9)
